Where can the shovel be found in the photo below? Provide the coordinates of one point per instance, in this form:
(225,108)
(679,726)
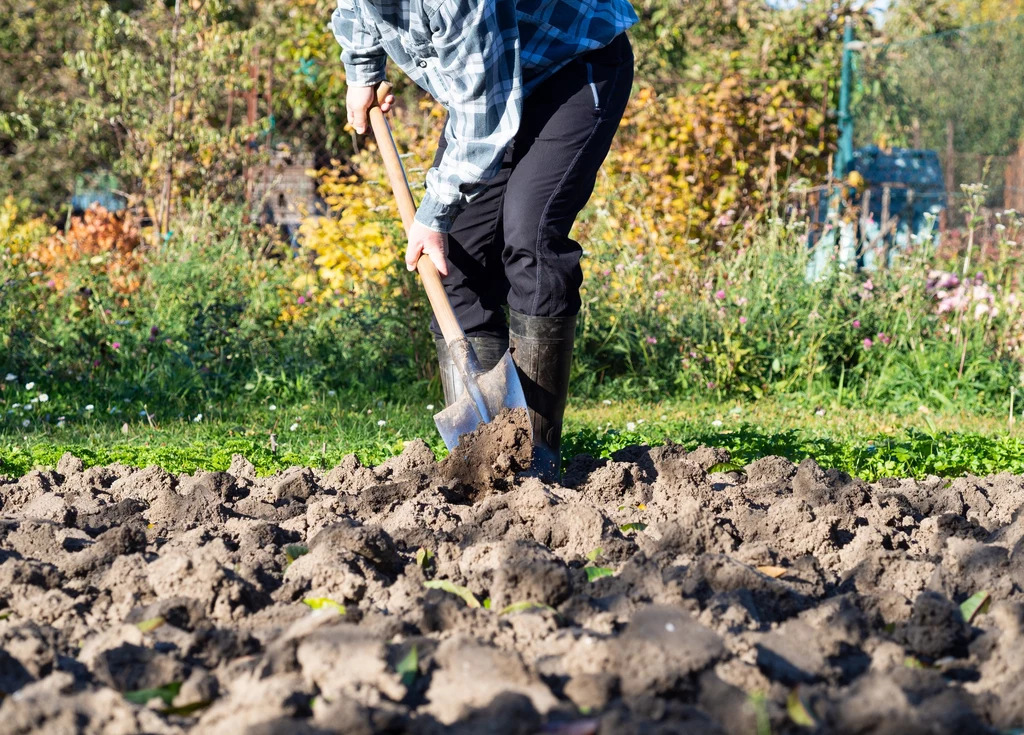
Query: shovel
(488,392)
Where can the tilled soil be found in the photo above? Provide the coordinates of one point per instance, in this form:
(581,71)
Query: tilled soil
(783,597)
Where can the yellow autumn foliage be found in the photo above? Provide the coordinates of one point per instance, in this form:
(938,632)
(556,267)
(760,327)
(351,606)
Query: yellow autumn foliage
(361,238)
(17,234)
(687,173)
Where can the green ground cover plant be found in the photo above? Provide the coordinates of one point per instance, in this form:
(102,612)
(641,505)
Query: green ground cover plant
(319,433)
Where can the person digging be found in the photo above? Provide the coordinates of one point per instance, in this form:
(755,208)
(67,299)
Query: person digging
(534,91)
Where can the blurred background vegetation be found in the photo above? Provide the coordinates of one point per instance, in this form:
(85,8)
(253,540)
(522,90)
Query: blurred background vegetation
(186,301)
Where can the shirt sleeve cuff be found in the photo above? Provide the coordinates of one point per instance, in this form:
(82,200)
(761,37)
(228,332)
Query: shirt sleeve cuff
(435,214)
(365,73)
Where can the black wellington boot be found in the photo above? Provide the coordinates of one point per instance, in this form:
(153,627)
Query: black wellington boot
(489,351)
(542,351)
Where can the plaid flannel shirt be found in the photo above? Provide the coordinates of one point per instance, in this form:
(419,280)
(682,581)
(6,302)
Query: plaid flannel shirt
(478,58)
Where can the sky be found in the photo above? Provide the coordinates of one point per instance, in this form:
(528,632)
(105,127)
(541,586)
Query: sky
(877,7)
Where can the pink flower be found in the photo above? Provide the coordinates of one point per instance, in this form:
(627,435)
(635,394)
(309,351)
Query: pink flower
(884,338)
(856,323)
(867,343)
(868,285)
(302,300)
(51,283)
(606,272)
(116,345)
(652,340)
(719,294)
(743,320)
(711,386)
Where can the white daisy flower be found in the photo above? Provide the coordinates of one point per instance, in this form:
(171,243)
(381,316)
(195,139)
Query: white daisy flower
(293,427)
(29,386)
(90,407)
(630,426)
(381,422)
(43,397)
(11,377)
(26,423)
(198,418)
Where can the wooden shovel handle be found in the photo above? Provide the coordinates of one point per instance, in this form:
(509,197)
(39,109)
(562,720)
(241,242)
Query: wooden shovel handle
(407,208)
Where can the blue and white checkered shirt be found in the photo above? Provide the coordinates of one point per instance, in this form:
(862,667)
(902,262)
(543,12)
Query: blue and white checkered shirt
(478,58)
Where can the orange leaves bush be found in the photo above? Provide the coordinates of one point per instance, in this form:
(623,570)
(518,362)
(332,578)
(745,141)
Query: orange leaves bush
(108,242)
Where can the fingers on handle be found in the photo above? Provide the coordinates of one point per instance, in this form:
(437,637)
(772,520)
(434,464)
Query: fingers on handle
(439,262)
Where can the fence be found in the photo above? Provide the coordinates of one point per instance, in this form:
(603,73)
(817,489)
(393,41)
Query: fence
(958,94)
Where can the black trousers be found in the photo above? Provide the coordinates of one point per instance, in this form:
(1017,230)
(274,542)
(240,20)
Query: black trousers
(511,245)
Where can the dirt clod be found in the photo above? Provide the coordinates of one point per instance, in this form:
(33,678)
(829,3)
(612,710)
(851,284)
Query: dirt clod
(651,592)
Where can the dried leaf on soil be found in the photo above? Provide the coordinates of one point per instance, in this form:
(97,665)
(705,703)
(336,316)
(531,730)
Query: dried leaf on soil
(445,586)
(319,603)
(975,605)
(167,693)
(596,573)
(773,572)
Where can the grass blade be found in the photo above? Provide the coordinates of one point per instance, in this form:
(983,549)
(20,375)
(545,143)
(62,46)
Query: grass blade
(446,586)
(975,605)
(596,573)
(148,626)
(798,712)
(167,693)
(319,603)
(409,667)
(632,527)
(294,551)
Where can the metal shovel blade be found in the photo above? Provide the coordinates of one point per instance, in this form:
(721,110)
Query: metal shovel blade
(499,388)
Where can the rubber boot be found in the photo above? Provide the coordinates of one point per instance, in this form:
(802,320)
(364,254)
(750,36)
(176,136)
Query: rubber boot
(542,351)
(489,351)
